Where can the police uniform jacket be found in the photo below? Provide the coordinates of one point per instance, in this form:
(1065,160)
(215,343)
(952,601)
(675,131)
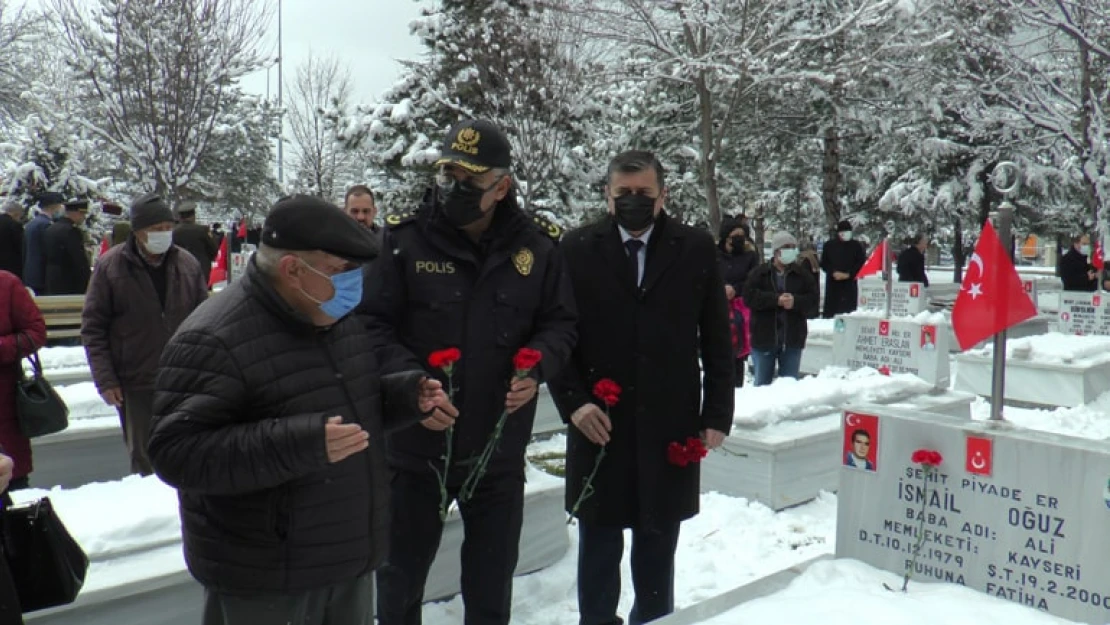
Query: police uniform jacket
(432,289)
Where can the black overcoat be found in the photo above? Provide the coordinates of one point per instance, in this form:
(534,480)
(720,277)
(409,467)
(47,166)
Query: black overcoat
(648,340)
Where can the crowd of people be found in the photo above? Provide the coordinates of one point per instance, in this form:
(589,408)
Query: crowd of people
(315,434)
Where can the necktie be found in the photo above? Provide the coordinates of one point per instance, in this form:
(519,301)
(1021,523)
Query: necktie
(633,246)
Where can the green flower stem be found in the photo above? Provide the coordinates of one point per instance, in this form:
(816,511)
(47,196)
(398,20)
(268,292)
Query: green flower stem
(588,487)
(920,530)
(441,477)
(479,470)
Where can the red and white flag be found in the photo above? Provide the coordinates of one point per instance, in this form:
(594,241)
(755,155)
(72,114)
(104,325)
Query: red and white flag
(218,272)
(1097,257)
(874,263)
(991,297)
(104,247)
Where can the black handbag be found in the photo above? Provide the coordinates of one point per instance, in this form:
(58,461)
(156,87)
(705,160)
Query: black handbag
(38,406)
(47,566)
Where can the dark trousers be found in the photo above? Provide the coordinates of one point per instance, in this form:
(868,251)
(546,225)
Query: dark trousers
(19,483)
(600,550)
(134,418)
(346,603)
(491,541)
(789,360)
(739,364)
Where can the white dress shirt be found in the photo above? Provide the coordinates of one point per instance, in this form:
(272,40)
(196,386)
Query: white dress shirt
(641,262)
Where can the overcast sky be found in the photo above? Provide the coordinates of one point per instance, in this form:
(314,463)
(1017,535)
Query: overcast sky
(370,36)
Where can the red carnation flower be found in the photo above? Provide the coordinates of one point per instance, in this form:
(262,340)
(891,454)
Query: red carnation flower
(608,391)
(444,358)
(926,457)
(526,359)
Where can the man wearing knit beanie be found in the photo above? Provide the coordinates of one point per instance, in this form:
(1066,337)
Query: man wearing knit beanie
(140,293)
(841,260)
(781,296)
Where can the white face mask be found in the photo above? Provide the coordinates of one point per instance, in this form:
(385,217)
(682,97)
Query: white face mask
(788,255)
(1085,250)
(158,242)
(846,235)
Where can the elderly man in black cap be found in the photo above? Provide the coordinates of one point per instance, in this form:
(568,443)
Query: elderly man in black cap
(468,270)
(270,420)
(34,240)
(139,294)
(841,260)
(68,266)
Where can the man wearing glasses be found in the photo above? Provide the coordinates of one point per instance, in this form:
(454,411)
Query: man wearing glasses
(468,270)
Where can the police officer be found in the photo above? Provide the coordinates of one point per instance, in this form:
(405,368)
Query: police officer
(467,270)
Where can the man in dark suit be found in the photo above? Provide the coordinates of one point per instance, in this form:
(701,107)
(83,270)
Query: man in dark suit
(34,240)
(651,304)
(11,238)
(67,263)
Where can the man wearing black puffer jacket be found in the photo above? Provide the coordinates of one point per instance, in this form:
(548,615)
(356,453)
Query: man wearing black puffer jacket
(782,296)
(270,418)
(470,271)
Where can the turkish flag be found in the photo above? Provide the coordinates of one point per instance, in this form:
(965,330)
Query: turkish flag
(991,297)
(1096,258)
(874,262)
(242,234)
(218,272)
(884,328)
(979,458)
(104,247)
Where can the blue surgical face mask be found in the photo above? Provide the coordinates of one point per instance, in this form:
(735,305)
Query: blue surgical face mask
(348,291)
(788,255)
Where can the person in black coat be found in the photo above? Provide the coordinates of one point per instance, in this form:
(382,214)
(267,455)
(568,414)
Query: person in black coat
(782,296)
(1076,271)
(270,420)
(737,257)
(68,268)
(468,270)
(11,238)
(195,238)
(911,262)
(841,260)
(652,306)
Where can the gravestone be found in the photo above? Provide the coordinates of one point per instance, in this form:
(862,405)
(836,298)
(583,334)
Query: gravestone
(1016,514)
(893,346)
(907,298)
(1084,313)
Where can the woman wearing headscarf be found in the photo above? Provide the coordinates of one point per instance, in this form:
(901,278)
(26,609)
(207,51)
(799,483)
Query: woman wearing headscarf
(737,257)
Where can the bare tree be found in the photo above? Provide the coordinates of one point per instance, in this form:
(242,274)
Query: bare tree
(322,85)
(162,71)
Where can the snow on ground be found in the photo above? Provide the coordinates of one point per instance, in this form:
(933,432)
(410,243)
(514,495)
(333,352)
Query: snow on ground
(63,358)
(788,399)
(84,403)
(848,592)
(732,542)
(1053,348)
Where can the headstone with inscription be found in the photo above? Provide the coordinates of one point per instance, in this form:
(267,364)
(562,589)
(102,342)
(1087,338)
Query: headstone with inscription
(893,346)
(907,298)
(1084,313)
(1017,514)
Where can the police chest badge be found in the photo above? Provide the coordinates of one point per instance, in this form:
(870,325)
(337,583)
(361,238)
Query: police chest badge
(523,260)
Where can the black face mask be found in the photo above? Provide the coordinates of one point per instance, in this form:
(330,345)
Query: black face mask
(737,245)
(634,212)
(462,203)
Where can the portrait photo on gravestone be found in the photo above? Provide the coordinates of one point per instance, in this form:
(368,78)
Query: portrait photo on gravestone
(1013,513)
(861,441)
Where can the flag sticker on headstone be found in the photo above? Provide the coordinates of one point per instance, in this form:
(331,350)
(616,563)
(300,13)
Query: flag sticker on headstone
(884,328)
(861,441)
(979,455)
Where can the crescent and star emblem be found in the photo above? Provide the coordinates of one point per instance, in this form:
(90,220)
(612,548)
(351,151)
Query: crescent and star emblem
(976,288)
(851,421)
(978,462)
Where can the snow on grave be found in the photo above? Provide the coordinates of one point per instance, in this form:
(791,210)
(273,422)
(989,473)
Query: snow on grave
(818,350)
(918,345)
(1051,369)
(788,432)
(1013,513)
(123,522)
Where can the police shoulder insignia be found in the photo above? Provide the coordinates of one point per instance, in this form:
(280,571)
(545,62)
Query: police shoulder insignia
(547,227)
(523,261)
(396,219)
